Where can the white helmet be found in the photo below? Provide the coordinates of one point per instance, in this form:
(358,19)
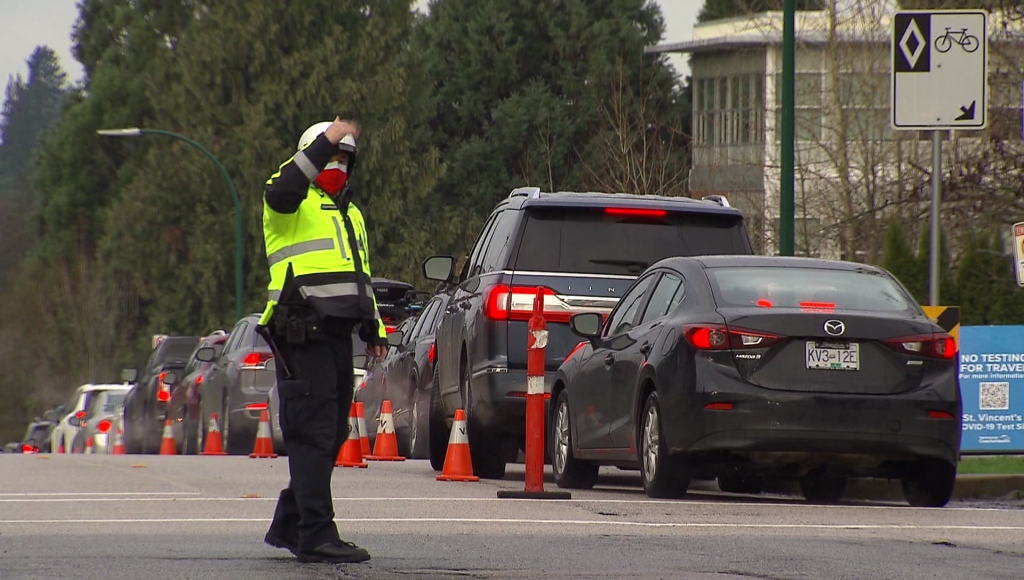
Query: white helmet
(347,144)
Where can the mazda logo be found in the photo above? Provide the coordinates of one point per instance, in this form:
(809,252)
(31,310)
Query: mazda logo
(835,327)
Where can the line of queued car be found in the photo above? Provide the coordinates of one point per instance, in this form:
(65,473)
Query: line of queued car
(671,350)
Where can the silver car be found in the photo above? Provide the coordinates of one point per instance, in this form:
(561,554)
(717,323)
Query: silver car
(64,434)
(101,414)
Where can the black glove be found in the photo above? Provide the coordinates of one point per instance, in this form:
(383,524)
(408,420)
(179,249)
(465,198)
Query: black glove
(368,333)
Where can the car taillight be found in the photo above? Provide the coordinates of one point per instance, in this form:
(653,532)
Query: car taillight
(26,448)
(389,329)
(256,361)
(574,351)
(939,415)
(635,212)
(80,415)
(199,380)
(103,426)
(516,303)
(721,338)
(940,346)
(256,406)
(163,395)
(162,376)
(432,353)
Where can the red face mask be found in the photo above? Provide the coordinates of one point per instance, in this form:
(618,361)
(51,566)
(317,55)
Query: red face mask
(332,179)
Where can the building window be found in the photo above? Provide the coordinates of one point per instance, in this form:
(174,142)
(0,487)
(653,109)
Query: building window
(807,105)
(729,110)
(1004,109)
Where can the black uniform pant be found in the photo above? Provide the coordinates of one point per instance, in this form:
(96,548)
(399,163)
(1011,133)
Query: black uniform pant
(314,422)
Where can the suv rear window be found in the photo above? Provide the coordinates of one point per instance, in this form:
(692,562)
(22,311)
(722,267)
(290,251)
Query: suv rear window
(591,241)
(808,289)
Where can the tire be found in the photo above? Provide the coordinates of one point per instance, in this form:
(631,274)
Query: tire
(930,484)
(943,43)
(820,488)
(232,445)
(486,449)
(740,483)
(419,430)
(663,476)
(971,43)
(570,473)
(438,430)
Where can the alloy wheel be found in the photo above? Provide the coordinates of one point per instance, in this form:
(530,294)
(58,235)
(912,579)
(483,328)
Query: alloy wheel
(651,444)
(562,438)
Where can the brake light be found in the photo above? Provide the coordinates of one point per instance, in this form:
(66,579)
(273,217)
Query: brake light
(103,426)
(162,375)
(389,329)
(722,338)
(516,303)
(80,415)
(635,212)
(163,395)
(823,307)
(762,303)
(256,361)
(574,351)
(941,346)
(199,380)
(26,448)
(432,352)
(939,415)
(362,384)
(256,406)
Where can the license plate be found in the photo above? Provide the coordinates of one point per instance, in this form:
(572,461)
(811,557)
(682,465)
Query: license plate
(833,356)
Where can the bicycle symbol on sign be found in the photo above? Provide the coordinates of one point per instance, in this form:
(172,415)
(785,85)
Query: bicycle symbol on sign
(968,42)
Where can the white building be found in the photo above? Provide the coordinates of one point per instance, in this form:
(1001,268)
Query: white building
(853,171)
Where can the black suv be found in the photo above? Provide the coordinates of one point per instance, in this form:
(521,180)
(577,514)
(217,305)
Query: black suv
(584,250)
(145,406)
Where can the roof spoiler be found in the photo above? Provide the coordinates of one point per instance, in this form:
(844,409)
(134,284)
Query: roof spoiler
(719,199)
(530,192)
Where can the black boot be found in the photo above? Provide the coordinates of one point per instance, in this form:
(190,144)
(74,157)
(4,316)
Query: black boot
(336,552)
(281,541)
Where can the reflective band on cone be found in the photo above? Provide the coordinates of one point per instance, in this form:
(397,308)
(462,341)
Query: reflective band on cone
(385,448)
(214,441)
(458,463)
(119,442)
(364,435)
(350,454)
(264,448)
(88,445)
(167,446)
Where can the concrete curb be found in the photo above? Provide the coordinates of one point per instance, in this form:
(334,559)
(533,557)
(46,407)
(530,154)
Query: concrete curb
(982,486)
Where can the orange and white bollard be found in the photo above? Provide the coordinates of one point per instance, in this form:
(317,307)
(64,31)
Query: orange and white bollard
(536,354)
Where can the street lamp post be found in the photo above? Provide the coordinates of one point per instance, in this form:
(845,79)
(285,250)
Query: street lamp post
(136,132)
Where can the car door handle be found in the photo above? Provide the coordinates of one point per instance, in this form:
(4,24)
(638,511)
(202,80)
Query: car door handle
(608,360)
(645,348)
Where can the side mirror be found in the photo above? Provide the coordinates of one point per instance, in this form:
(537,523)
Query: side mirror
(439,268)
(396,338)
(359,361)
(587,324)
(170,377)
(206,354)
(130,375)
(50,415)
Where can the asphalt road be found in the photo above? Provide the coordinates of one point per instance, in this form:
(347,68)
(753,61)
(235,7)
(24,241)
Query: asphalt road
(108,517)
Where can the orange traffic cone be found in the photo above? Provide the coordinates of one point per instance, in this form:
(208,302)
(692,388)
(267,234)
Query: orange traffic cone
(214,442)
(264,448)
(458,465)
(350,454)
(119,443)
(60,448)
(167,446)
(385,448)
(88,445)
(364,435)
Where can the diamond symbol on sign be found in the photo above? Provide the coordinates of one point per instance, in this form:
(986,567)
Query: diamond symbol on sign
(912,52)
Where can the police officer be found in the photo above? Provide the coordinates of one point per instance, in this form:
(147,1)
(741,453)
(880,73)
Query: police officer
(319,294)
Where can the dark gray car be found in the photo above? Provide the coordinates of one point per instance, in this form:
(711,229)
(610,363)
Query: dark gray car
(237,386)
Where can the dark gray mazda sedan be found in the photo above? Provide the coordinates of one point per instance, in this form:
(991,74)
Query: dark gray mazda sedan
(752,368)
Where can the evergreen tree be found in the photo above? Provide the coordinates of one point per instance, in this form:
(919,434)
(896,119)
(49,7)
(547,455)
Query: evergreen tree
(898,258)
(718,9)
(948,294)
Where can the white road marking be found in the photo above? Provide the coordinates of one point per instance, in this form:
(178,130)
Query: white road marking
(104,493)
(539,522)
(794,504)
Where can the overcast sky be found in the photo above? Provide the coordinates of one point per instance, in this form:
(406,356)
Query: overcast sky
(25,24)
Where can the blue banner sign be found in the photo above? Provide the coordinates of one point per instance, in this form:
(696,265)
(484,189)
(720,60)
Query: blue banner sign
(992,386)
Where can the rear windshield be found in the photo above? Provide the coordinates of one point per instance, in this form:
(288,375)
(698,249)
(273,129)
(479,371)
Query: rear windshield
(590,241)
(807,289)
(112,402)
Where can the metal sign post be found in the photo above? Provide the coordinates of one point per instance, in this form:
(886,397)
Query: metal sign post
(939,72)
